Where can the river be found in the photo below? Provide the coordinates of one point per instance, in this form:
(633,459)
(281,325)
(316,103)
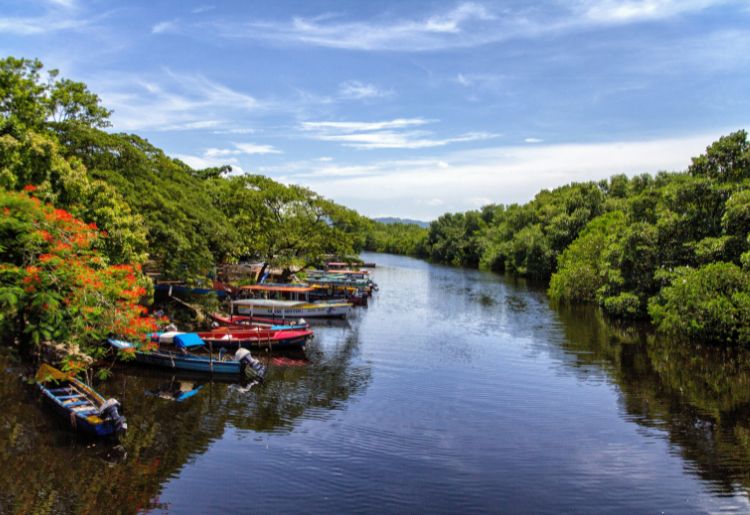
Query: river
(454,391)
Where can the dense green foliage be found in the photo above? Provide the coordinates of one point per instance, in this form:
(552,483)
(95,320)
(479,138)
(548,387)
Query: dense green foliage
(395,238)
(673,247)
(710,303)
(149,208)
(153,207)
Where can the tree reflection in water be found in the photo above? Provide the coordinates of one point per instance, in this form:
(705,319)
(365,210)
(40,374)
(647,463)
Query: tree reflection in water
(699,395)
(47,468)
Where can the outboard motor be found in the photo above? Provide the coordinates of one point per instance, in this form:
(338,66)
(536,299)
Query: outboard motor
(251,367)
(110,411)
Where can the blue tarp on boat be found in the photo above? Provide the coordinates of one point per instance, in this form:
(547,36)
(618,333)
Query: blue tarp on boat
(188,340)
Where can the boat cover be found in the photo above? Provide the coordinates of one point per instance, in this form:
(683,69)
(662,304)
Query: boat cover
(188,340)
(268,303)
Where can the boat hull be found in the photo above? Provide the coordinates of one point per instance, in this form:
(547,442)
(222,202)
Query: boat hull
(184,362)
(307,311)
(281,341)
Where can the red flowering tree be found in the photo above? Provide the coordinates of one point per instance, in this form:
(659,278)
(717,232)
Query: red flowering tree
(56,284)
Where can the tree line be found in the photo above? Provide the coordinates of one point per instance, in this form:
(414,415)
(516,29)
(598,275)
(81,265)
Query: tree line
(672,248)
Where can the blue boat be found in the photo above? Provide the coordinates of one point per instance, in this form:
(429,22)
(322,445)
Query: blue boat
(81,406)
(242,364)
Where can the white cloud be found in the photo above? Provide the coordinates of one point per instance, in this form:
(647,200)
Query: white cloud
(199,162)
(398,123)
(463,80)
(480,80)
(203,8)
(468,24)
(618,11)
(226,156)
(239,130)
(173,102)
(386,134)
(533,140)
(40,25)
(68,4)
(454,27)
(213,153)
(56,16)
(252,148)
(495,174)
(165,27)
(356,90)
(405,140)
(190,126)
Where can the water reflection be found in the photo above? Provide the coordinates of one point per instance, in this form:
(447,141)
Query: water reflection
(699,395)
(54,470)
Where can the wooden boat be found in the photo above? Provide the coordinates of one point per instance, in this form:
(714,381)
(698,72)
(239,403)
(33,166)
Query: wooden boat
(239,365)
(244,322)
(290,308)
(170,289)
(256,337)
(340,278)
(85,409)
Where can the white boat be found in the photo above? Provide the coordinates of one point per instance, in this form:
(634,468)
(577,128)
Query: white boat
(290,308)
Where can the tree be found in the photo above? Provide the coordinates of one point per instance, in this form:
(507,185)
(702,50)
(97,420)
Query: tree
(22,93)
(284,226)
(725,160)
(71,101)
(26,100)
(582,269)
(56,284)
(710,303)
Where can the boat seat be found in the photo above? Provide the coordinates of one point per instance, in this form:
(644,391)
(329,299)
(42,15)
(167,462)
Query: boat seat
(74,404)
(74,396)
(61,390)
(86,411)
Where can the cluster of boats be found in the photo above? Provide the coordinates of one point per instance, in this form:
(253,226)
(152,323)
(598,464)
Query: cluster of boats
(262,316)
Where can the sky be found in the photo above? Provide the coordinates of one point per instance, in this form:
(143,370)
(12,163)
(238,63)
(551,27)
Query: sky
(406,108)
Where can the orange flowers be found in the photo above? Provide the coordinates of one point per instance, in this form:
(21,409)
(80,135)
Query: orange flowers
(29,188)
(45,235)
(69,287)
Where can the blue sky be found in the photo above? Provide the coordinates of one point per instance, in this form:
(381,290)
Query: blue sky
(408,108)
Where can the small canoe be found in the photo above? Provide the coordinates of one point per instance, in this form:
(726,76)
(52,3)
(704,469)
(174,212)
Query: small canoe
(242,364)
(84,409)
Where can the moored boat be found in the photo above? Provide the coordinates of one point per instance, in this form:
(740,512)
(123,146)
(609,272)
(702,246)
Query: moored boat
(84,408)
(244,322)
(290,308)
(241,364)
(256,337)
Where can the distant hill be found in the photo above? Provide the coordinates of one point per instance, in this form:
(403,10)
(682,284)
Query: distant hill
(392,220)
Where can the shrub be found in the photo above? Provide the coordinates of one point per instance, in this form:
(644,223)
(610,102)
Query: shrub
(710,303)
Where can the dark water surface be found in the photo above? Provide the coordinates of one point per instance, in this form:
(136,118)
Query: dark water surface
(455,391)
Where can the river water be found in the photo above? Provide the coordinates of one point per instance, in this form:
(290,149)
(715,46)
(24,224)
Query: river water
(454,391)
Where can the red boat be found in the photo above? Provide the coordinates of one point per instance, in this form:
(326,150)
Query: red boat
(245,322)
(255,337)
